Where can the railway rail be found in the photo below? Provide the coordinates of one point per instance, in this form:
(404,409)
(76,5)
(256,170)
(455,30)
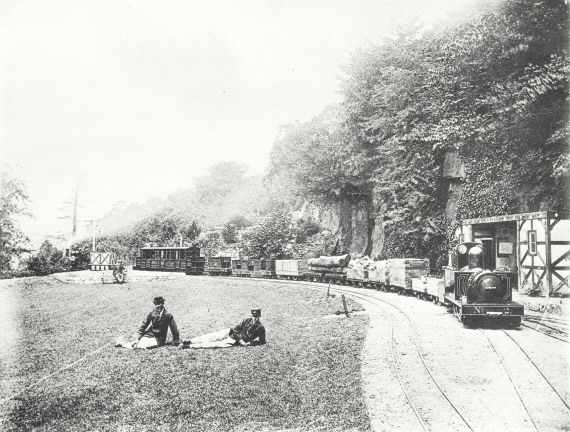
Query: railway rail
(539,370)
(550,327)
(511,380)
(416,344)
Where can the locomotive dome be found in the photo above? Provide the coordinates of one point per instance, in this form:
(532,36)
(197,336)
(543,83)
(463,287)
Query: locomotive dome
(475,257)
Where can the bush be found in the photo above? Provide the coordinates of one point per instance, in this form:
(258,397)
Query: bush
(48,260)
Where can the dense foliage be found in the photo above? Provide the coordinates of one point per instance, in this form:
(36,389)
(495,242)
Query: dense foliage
(47,260)
(13,202)
(494,89)
(272,236)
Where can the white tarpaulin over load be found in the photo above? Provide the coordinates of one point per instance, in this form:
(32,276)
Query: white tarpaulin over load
(378,273)
(359,268)
(330,261)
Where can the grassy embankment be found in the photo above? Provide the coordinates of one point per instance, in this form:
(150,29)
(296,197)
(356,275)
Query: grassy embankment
(307,377)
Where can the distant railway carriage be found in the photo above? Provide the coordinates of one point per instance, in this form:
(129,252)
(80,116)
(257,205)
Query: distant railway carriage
(263,268)
(219,266)
(379,275)
(328,268)
(241,267)
(187,259)
(291,269)
(253,267)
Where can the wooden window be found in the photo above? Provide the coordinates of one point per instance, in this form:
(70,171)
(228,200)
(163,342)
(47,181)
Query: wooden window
(532,242)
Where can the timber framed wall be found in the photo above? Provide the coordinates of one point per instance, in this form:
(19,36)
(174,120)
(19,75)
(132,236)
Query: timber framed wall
(542,249)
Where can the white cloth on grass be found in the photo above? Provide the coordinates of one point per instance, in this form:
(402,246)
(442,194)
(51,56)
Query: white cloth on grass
(217,339)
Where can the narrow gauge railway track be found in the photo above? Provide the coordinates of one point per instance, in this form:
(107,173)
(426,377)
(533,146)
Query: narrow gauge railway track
(538,370)
(527,376)
(554,329)
(543,330)
(361,294)
(396,362)
(371,298)
(509,376)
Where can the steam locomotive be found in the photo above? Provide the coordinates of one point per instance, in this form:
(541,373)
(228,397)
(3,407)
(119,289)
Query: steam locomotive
(468,289)
(478,292)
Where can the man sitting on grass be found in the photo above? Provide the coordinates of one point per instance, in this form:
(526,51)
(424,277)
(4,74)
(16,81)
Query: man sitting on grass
(154,328)
(248,332)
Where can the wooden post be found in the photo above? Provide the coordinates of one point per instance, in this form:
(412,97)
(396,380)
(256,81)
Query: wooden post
(329,290)
(344,305)
(548,256)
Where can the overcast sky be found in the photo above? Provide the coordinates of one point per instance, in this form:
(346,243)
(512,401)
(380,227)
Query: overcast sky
(136,98)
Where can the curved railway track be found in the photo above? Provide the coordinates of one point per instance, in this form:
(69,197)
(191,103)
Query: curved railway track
(361,294)
(415,341)
(519,389)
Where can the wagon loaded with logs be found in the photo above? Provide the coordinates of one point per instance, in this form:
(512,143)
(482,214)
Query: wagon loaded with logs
(328,268)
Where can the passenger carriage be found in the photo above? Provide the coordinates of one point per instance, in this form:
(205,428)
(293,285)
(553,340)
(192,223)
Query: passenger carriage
(188,259)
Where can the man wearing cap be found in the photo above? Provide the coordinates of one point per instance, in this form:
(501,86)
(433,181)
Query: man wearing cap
(249,331)
(154,328)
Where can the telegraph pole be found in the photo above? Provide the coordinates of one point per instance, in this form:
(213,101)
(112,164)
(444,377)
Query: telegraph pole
(93,228)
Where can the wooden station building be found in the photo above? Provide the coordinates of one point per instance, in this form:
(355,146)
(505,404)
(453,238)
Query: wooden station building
(535,246)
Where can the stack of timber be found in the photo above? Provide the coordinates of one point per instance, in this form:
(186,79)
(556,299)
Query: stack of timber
(403,270)
(329,262)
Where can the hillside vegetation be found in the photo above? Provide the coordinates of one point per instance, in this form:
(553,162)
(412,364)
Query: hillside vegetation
(493,90)
(368,172)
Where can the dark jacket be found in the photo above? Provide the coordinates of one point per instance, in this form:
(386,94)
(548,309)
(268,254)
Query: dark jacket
(247,331)
(156,324)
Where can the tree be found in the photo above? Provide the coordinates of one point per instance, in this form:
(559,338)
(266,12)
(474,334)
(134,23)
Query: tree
(229,233)
(192,231)
(272,236)
(239,222)
(320,161)
(48,260)
(13,202)
(495,89)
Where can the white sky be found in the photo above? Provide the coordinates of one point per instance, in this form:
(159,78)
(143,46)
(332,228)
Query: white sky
(137,98)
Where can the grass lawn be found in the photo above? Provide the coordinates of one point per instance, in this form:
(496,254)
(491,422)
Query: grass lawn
(307,377)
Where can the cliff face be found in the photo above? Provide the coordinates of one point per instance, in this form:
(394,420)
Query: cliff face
(356,229)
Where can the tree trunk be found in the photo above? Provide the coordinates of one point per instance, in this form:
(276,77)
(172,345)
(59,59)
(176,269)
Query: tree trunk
(344,226)
(370,207)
